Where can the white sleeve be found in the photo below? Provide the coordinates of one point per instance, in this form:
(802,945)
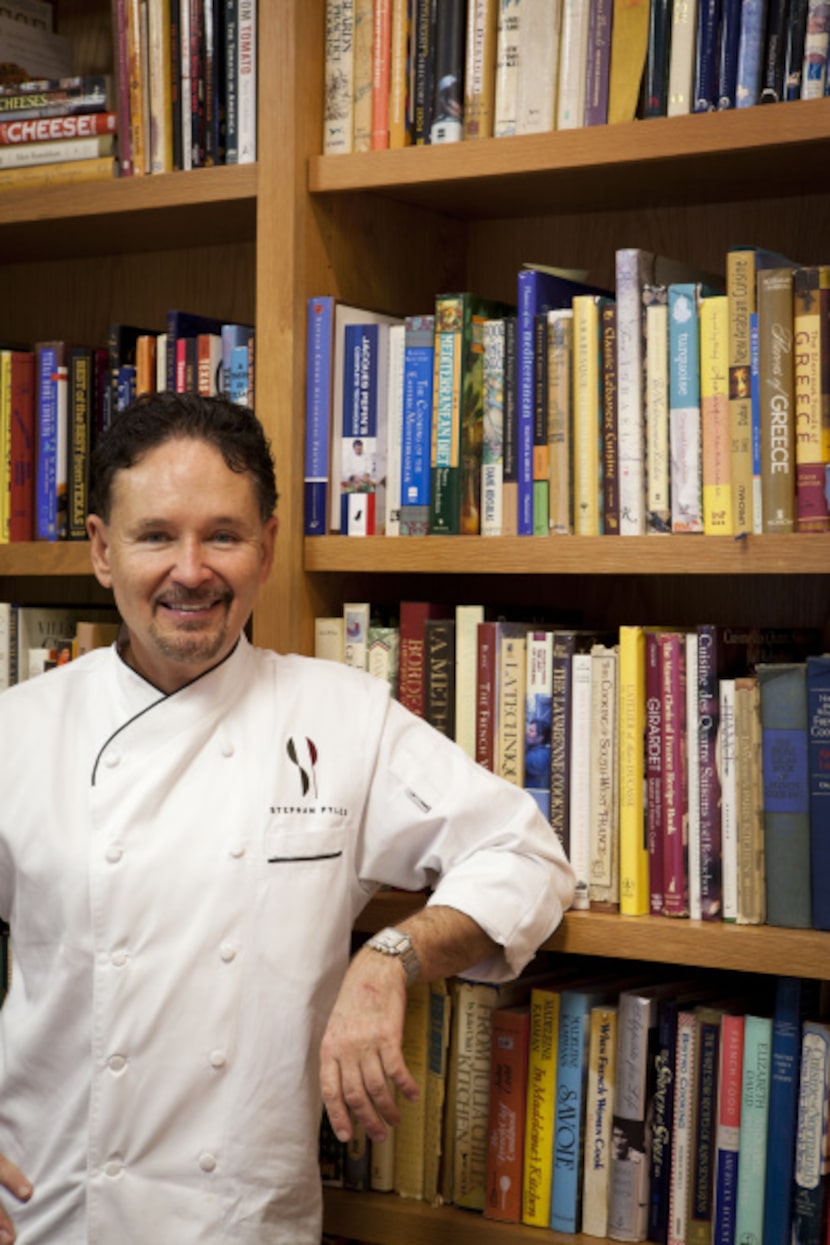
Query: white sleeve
(434,818)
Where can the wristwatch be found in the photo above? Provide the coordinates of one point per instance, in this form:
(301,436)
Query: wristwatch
(395,942)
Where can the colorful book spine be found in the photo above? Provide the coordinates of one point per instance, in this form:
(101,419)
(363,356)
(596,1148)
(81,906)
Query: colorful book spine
(439,675)
(750,53)
(338,104)
(681,1169)
(662,1121)
(785,1068)
(728,761)
(816,45)
(728,1131)
(604,883)
(672,650)
(540,1109)
(381,55)
(600,28)
(749,1211)
(390,449)
(810,1186)
(685,440)
(634,857)
(318,430)
(718,518)
(693,776)
(560,421)
(538,698)
(818,710)
(709,784)
(541,453)
(629,1185)
(658,473)
(701,1193)
(423,75)
(492,451)
(599,1107)
(448,107)
(363,382)
(775,343)
(247,81)
(786,793)
(633,269)
(578,777)
(705,91)
(610,449)
(51,395)
(740,293)
(409,1135)
(654,772)
(419,366)
(508,1092)
(22,447)
(587,463)
(811,452)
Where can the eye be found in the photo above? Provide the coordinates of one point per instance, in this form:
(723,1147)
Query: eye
(225,538)
(154,537)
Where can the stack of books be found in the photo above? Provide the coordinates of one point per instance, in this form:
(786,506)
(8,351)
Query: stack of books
(400,72)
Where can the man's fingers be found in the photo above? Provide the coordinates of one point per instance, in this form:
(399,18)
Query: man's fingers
(12,1178)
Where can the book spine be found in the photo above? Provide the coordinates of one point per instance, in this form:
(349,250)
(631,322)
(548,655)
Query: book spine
(485,695)
(750,53)
(338,105)
(445,489)
(440,1013)
(774,52)
(685,439)
(479,71)
(409,1135)
(672,651)
(55,130)
(587,480)
(5,443)
(785,1067)
(740,293)
(729,800)
(632,268)
(424,69)
(795,49)
(359,430)
(507,68)
(681,1169)
(47,444)
(610,448)
(599,1106)
(413,615)
(22,447)
(400,133)
(448,107)
(816,42)
(510,714)
(467,619)
(662,1122)
(473,1021)
(658,500)
(749,1212)
(538,698)
(381,52)
(599,62)
(571,1085)
(318,430)
(604,886)
(492,450)
(231,84)
(541,453)
(634,872)
(559,424)
(80,428)
(693,776)
(510,486)
(775,340)
(654,772)
(419,364)
(540,1107)
(656,82)
(810,455)
(508,1091)
(751,883)
(439,675)
(578,824)
(573,59)
(714,406)
(682,58)
(727,1138)
(628,1202)
(708,700)
(818,706)
(809,1205)
(472,421)
(560,729)
(699,1226)
(392,423)
(706,56)
(247,81)
(539,67)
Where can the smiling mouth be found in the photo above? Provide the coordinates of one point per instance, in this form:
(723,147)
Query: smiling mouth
(194,609)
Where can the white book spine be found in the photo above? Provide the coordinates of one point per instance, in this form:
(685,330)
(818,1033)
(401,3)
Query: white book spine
(328,638)
(338,104)
(729,799)
(161,146)
(580,743)
(5,645)
(507,68)
(247,81)
(62,150)
(467,618)
(539,58)
(356,633)
(394,430)
(492,452)
(632,267)
(682,57)
(604,876)
(682,1135)
(658,502)
(693,770)
(573,59)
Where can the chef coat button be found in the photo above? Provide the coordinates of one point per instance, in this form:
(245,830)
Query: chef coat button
(114,853)
(218,1059)
(207,1161)
(116,1063)
(227,748)
(118,959)
(112,759)
(113,1167)
(227,952)
(237,850)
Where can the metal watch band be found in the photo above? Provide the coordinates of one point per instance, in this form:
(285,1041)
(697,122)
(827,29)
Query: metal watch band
(391,941)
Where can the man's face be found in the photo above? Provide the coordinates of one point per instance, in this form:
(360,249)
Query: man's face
(184,552)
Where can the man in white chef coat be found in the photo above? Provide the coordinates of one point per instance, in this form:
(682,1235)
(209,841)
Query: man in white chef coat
(188,828)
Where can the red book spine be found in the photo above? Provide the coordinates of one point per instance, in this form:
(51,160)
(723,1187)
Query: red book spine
(485,694)
(381,56)
(413,615)
(22,471)
(674,785)
(654,774)
(506,1125)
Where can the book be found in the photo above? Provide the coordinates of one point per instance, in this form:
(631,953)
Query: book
(749,1211)
(507,72)
(467,619)
(718,519)
(750,53)
(728,762)
(587,461)
(812,442)
(540,1108)
(539,64)
(682,48)
(356,619)
(508,1094)
(329,638)
(597,80)
(492,445)
(599,1106)
(391,439)
(560,421)
(662,1118)
(657,467)
(818,725)
(381,63)
(809,1202)
(338,108)
(537,724)
(51,500)
(458,403)
(440,1004)
(573,60)
(792,999)
(511,666)
(786,792)
(654,771)
(541,456)
(480,68)
(577,778)
(681,1162)
(413,616)
(50,129)
(774,52)
(604,879)
(410,1133)
(795,49)
(775,342)
(423,70)
(80,420)
(728,1130)
(416,432)
(816,41)
(728,42)
(658,53)
(22,445)
(448,105)
(383,653)
(439,674)
(685,436)
(708,1022)
(575,1006)
(537,290)
(610,459)
(246,81)
(365,362)
(629,43)
(633,750)
(672,667)
(751,882)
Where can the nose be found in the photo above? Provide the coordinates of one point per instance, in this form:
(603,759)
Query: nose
(190,569)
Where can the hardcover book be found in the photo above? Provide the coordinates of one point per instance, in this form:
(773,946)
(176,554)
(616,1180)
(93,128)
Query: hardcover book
(416,434)
(818,711)
(508,1094)
(775,346)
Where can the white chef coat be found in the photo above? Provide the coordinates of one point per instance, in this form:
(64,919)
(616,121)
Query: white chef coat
(181,874)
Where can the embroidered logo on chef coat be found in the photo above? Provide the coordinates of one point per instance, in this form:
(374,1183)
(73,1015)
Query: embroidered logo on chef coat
(304,757)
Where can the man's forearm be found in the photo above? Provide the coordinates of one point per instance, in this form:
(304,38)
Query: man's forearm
(447,941)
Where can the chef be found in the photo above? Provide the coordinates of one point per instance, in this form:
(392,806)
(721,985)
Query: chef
(188,828)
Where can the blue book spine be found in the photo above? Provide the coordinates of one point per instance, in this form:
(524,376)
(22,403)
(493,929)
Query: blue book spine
(818,720)
(529,299)
(729,41)
(750,53)
(125,386)
(419,362)
(318,384)
(359,445)
(238,377)
(47,444)
(785,1065)
(232,335)
(571,1083)
(704,95)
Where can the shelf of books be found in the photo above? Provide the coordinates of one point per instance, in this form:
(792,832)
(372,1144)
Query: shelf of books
(740,154)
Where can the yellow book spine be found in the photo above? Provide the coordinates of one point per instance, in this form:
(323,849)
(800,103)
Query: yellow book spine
(714,405)
(362,137)
(634,882)
(5,443)
(96,168)
(586,415)
(540,1112)
(629,42)
(480,71)
(740,291)
(599,1105)
(409,1138)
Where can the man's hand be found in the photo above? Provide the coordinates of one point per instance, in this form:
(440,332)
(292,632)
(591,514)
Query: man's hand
(13,1180)
(361,1060)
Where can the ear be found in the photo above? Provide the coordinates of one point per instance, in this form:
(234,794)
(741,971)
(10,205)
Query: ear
(99,549)
(269,536)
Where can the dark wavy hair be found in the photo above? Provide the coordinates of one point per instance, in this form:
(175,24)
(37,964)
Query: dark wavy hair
(155,418)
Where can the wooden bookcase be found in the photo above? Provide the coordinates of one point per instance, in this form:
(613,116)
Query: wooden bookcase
(390,230)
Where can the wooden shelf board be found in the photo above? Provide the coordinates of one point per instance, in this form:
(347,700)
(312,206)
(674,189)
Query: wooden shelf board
(162,212)
(45,558)
(710,944)
(386,1219)
(708,157)
(572,555)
